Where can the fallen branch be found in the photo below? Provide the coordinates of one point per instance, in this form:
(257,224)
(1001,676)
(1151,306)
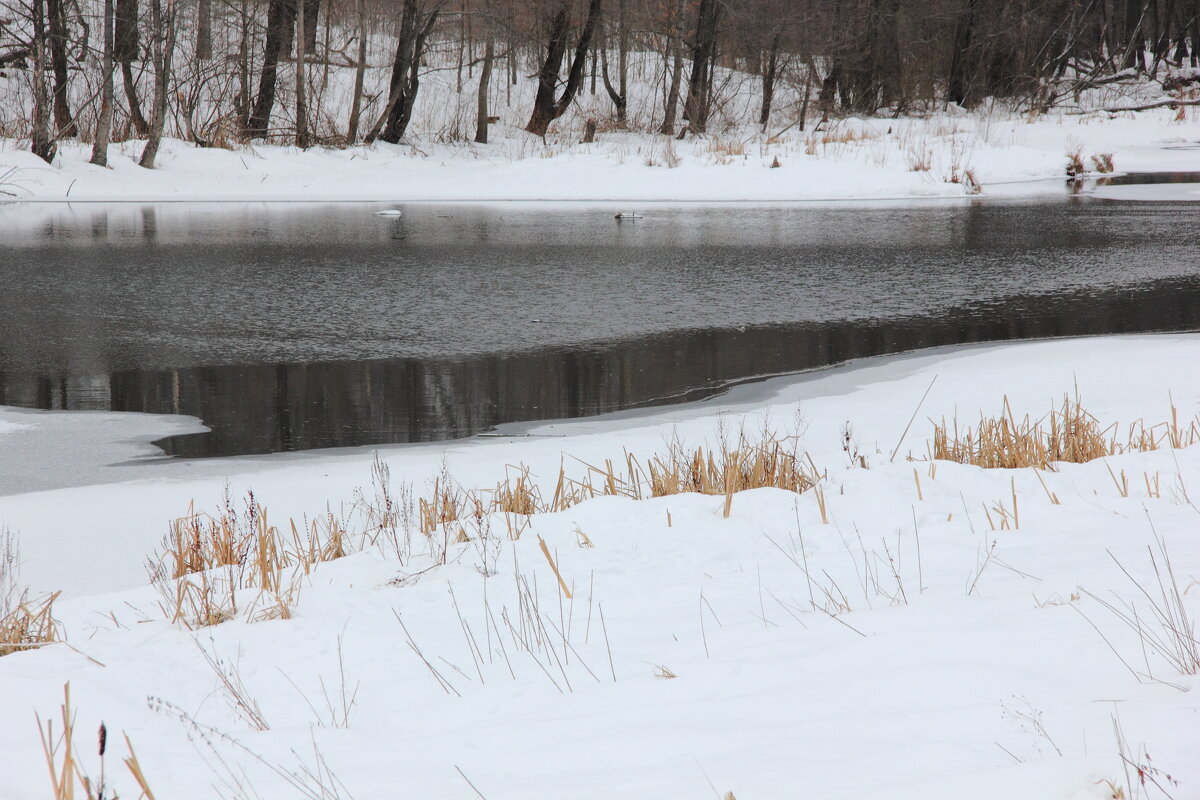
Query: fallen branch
(1168,103)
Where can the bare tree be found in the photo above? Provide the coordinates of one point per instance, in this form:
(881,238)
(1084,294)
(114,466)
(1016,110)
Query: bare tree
(548,105)
(281,18)
(619,95)
(56,25)
(163,24)
(676,54)
(360,67)
(699,98)
(104,119)
(485,79)
(125,51)
(301,80)
(41,142)
(416,21)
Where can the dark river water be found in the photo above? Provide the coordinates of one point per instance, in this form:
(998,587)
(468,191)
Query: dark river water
(288,327)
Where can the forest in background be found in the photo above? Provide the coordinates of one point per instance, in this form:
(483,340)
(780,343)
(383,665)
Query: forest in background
(219,72)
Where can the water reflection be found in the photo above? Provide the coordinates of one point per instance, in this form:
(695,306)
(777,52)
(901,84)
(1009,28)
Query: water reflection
(280,407)
(302,327)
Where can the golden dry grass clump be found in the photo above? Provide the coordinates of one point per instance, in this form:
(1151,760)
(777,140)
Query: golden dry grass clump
(728,468)
(205,560)
(750,462)
(24,623)
(1068,433)
(254,549)
(28,624)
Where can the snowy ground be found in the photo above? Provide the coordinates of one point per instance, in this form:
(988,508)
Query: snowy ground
(929,656)
(948,153)
(848,159)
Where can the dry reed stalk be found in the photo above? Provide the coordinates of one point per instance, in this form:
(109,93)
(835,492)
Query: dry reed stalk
(64,776)
(1066,434)
(135,769)
(819,493)
(728,469)
(1053,497)
(253,552)
(29,625)
(724,470)
(200,605)
(521,497)
(1122,484)
(229,677)
(561,583)
(582,539)
(441,509)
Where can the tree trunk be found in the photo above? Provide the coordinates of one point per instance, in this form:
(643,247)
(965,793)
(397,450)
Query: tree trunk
(243,67)
(769,73)
(204,30)
(57,29)
(958,87)
(672,103)
(136,118)
(415,25)
(301,81)
(41,142)
(485,77)
(698,104)
(281,17)
(163,23)
(125,52)
(619,95)
(359,71)
(1195,56)
(885,59)
(546,108)
(1134,22)
(312,13)
(617,98)
(104,119)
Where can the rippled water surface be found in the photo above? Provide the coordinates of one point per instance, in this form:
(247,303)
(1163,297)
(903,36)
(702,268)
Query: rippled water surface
(298,326)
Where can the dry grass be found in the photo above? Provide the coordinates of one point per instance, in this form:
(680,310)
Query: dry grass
(1075,163)
(25,624)
(920,159)
(1067,433)
(844,134)
(748,463)
(726,147)
(64,771)
(205,560)
(1162,623)
(64,765)
(29,625)
(254,549)
(199,601)
(1102,163)
(664,157)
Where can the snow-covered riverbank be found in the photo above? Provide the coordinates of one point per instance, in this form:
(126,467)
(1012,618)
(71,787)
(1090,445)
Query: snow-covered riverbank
(946,156)
(913,629)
